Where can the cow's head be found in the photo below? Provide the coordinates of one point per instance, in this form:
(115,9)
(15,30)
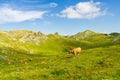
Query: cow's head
(70,51)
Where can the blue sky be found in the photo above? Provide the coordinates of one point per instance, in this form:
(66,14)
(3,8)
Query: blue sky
(63,16)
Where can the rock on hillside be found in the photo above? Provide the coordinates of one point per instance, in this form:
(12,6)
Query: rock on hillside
(33,37)
(22,36)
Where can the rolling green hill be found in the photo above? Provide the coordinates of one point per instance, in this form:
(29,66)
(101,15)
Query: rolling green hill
(28,55)
(39,43)
(83,35)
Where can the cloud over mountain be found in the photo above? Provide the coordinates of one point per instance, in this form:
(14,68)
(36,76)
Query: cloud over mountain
(8,14)
(83,10)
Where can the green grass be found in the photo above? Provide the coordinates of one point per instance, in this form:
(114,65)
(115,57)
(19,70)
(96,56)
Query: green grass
(91,64)
(50,60)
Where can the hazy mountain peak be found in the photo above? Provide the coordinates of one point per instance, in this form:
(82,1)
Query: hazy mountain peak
(89,31)
(84,34)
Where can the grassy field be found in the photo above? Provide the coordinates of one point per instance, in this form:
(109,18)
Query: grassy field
(92,64)
(50,60)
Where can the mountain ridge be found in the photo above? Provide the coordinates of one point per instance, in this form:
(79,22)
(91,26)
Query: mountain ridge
(37,42)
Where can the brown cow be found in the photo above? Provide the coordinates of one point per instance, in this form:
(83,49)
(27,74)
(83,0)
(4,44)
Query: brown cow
(75,50)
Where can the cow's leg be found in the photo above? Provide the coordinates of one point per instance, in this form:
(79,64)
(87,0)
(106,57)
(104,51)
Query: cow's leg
(74,53)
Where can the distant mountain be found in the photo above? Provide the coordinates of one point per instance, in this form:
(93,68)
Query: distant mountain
(36,42)
(22,36)
(83,35)
(56,35)
(21,40)
(115,37)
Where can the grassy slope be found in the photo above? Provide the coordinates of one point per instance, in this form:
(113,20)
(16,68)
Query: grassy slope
(50,60)
(91,64)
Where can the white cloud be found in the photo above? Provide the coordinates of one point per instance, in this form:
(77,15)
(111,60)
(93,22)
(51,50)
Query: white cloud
(53,4)
(8,14)
(83,10)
